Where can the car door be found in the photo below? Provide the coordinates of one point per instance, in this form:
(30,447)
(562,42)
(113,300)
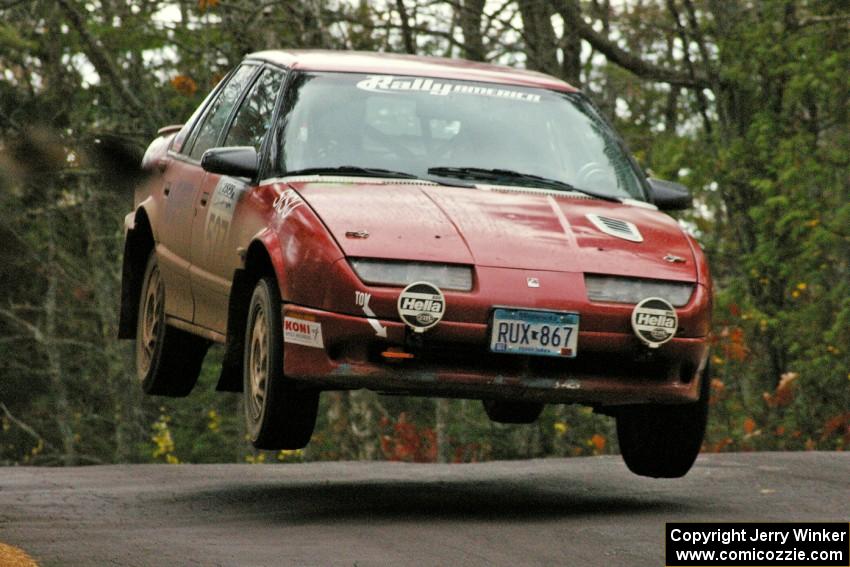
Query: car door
(182,179)
(214,245)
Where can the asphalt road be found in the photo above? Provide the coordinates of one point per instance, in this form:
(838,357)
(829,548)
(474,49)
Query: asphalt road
(584,511)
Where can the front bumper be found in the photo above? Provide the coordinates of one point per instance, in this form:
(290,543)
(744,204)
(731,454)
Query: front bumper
(453,360)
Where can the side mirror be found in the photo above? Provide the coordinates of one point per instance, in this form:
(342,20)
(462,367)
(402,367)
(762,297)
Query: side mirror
(237,161)
(670,196)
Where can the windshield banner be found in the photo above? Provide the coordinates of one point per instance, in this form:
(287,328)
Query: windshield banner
(389,83)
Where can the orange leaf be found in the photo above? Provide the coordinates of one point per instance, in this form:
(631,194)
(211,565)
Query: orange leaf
(720,445)
(749,425)
(184,85)
(598,441)
(839,422)
(785,391)
(203,5)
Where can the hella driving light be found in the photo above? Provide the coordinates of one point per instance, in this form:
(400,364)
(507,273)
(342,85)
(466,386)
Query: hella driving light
(633,290)
(385,272)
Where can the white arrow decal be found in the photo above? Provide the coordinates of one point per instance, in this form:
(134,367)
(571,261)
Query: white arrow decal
(362,298)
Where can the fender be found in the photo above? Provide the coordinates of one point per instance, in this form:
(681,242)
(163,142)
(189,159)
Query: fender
(298,239)
(703,274)
(139,240)
(140,236)
(270,241)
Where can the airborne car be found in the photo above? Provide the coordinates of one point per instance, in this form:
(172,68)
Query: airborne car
(419,226)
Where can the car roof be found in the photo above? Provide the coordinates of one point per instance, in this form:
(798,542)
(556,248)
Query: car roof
(412,65)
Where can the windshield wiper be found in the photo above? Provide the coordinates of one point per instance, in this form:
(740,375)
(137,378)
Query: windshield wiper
(375,172)
(353,170)
(484,174)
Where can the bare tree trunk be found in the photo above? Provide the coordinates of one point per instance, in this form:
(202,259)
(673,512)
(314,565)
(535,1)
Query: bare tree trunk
(242,445)
(362,424)
(54,361)
(702,102)
(619,56)
(340,425)
(441,425)
(115,372)
(469,13)
(406,32)
(571,43)
(539,37)
(103,63)
(671,108)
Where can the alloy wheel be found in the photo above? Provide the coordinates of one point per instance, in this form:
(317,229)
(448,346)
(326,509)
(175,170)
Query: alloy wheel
(153,314)
(258,363)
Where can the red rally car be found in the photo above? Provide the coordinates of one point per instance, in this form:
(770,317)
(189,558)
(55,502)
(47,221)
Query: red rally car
(421,226)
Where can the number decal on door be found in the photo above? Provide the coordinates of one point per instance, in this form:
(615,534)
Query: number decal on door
(219,216)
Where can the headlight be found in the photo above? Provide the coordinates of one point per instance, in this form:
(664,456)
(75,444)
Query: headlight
(632,290)
(389,272)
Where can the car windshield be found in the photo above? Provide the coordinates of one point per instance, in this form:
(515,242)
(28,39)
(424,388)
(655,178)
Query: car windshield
(479,132)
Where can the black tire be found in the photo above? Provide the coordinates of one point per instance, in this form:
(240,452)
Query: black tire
(512,412)
(663,441)
(278,415)
(168,360)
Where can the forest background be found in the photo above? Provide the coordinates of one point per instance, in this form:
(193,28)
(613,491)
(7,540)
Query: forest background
(743,101)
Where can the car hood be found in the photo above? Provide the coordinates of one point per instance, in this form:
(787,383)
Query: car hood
(496,227)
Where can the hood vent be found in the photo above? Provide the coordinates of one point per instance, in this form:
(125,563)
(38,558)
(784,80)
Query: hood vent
(616,227)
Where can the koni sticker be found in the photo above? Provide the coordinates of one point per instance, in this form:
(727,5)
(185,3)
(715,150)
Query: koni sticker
(389,83)
(654,321)
(302,332)
(421,305)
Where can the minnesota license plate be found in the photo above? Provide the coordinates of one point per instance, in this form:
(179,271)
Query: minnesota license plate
(545,333)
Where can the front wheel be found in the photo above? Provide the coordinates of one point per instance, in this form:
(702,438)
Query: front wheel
(277,414)
(663,441)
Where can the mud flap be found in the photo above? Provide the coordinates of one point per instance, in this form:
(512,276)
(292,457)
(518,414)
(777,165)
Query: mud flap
(230,379)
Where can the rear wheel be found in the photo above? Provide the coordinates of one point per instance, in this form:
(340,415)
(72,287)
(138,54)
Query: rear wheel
(277,414)
(512,412)
(663,441)
(168,360)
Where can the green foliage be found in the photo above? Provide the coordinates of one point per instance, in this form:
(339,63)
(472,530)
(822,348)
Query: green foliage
(778,236)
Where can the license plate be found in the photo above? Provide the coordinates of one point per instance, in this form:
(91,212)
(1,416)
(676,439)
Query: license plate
(544,333)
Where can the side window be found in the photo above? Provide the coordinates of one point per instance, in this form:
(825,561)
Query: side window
(254,116)
(179,144)
(216,117)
